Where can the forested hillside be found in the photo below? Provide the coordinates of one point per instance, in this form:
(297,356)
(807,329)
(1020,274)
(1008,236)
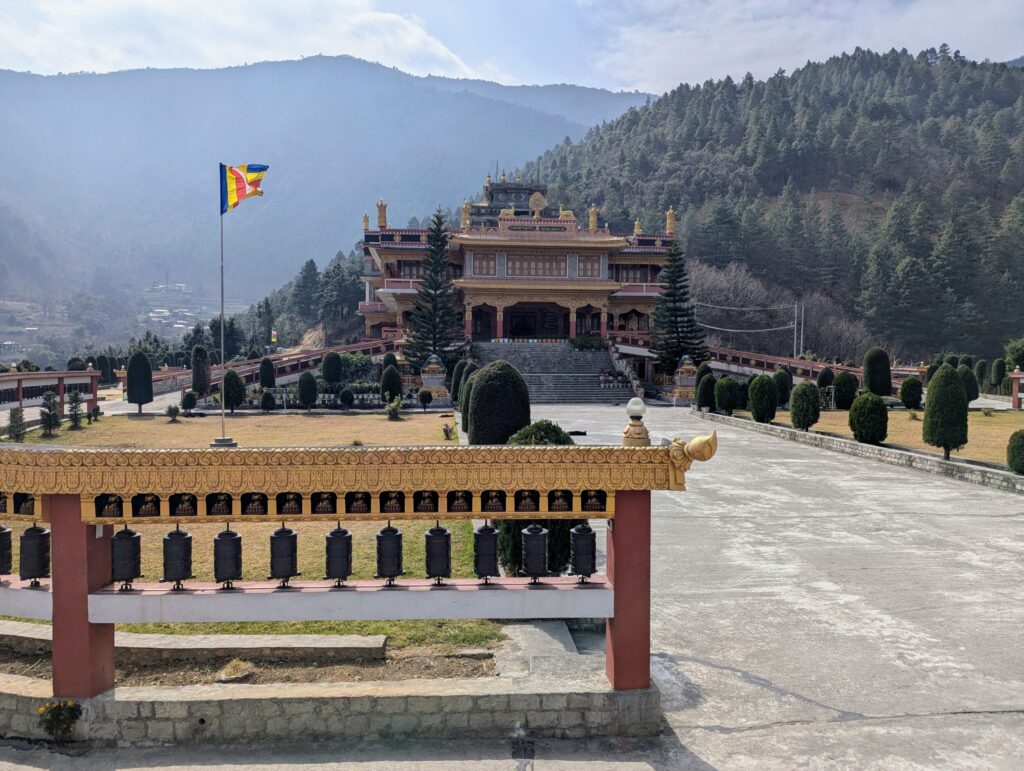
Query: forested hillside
(889,186)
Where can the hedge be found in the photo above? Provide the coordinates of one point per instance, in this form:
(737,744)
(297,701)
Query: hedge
(706,392)
(869,419)
(267,402)
(727,395)
(307,390)
(764,399)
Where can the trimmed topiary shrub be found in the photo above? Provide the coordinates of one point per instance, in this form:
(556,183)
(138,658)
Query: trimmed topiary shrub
(764,399)
(466,397)
(390,384)
(706,392)
(783,385)
(460,367)
(267,402)
(467,373)
(743,394)
(877,372)
(930,372)
(995,377)
(425,398)
(331,368)
(825,378)
(307,390)
(981,374)
(805,406)
(189,401)
(966,361)
(953,360)
(702,369)
(499,405)
(727,395)
(845,386)
(970,383)
(945,412)
(389,360)
(268,378)
(347,398)
(233,390)
(140,380)
(510,543)
(911,391)
(1015,452)
(869,419)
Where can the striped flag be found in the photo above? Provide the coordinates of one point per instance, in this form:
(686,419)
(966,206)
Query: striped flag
(240,182)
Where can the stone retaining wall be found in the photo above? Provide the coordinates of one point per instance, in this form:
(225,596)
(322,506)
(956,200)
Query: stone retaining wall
(965,472)
(580,706)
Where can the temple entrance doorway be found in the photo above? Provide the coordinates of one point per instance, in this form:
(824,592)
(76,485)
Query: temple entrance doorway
(483,322)
(532,321)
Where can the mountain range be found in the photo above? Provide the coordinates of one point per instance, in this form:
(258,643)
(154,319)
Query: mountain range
(111,178)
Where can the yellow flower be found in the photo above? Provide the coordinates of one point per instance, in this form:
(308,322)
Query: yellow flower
(70,703)
(42,710)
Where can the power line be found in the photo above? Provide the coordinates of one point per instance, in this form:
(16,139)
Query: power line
(732,308)
(725,329)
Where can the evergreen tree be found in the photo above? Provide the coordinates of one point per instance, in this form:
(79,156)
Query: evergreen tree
(200,364)
(676,333)
(16,425)
(268,376)
(234,390)
(945,411)
(331,368)
(49,414)
(140,380)
(75,410)
(435,323)
(302,301)
(307,390)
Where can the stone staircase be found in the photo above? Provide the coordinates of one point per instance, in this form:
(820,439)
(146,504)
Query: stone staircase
(557,373)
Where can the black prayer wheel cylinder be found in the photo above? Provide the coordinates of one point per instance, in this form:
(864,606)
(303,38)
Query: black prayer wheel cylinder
(177,556)
(227,556)
(339,554)
(5,551)
(35,554)
(439,552)
(125,556)
(535,551)
(284,553)
(583,550)
(389,553)
(485,551)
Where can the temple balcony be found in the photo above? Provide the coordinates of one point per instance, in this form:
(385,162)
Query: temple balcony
(633,290)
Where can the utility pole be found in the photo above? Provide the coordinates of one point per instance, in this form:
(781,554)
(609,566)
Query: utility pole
(803,308)
(794,328)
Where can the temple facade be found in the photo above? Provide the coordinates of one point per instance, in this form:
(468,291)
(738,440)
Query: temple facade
(523,270)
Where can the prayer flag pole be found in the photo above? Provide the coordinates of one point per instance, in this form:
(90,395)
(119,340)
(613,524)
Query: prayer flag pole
(222,440)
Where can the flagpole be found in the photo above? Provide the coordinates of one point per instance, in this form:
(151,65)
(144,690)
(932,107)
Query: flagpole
(222,440)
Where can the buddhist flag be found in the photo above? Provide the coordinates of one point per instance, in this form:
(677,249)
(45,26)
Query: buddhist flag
(240,182)
(273,335)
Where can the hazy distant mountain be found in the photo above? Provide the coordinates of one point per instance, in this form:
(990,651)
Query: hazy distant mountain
(1018,62)
(117,172)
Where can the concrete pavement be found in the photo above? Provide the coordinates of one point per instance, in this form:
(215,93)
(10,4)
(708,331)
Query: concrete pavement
(810,609)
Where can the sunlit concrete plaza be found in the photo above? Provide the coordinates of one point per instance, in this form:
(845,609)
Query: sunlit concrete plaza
(809,609)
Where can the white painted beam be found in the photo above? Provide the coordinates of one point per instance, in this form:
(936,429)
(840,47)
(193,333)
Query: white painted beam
(360,601)
(17,599)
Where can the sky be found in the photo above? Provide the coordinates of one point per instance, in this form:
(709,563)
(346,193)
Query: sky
(646,45)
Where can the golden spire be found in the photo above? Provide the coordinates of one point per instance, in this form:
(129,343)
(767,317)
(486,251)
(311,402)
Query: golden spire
(464,224)
(504,178)
(382,214)
(670,221)
(366,221)
(487,182)
(592,219)
(636,227)
(519,178)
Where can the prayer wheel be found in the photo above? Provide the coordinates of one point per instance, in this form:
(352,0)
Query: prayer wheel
(125,558)
(439,553)
(34,562)
(284,554)
(535,551)
(389,553)
(339,555)
(177,557)
(583,551)
(227,557)
(5,551)
(485,551)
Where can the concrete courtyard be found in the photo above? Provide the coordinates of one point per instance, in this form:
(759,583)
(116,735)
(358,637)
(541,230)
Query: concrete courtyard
(810,609)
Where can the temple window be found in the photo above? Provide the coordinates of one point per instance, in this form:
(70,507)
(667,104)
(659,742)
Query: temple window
(532,266)
(589,267)
(484,265)
(411,269)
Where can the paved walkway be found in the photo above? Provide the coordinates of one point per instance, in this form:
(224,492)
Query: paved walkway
(810,609)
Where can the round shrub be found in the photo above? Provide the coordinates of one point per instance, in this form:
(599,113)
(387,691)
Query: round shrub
(307,390)
(541,432)
(347,398)
(743,394)
(869,419)
(267,402)
(727,395)
(466,397)
(930,372)
(460,367)
(945,412)
(702,369)
(234,390)
(805,405)
(706,392)
(764,399)
(966,361)
(877,372)
(995,378)
(189,401)
(783,385)
(825,378)
(845,390)
(499,405)
(390,384)
(75,364)
(331,368)
(970,382)
(981,373)
(467,373)
(425,398)
(953,360)
(389,360)
(1015,452)
(268,379)
(911,391)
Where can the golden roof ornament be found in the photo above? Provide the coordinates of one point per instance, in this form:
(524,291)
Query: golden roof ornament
(382,214)
(565,214)
(487,182)
(366,220)
(464,223)
(636,227)
(537,203)
(519,178)
(592,219)
(670,221)
(504,177)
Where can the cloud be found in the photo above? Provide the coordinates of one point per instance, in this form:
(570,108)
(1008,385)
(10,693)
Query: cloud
(656,44)
(51,36)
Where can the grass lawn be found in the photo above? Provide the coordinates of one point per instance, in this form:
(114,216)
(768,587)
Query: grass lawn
(294,429)
(987,436)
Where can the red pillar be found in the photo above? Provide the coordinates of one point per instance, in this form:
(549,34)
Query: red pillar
(83,653)
(604,324)
(572,322)
(468,322)
(628,635)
